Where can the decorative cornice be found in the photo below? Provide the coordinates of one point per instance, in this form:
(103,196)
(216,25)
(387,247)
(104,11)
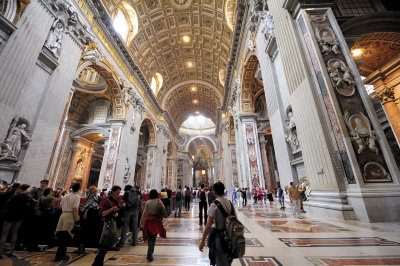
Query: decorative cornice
(240,26)
(104,21)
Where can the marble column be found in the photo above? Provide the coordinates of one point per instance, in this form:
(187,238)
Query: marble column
(387,98)
(88,162)
(265,164)
(107,173)
(250,141)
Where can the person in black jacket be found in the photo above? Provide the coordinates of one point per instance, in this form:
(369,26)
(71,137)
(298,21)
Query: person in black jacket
(16,209)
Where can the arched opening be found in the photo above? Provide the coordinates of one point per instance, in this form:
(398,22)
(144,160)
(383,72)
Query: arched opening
(201,149)
(126,22)
(94,173)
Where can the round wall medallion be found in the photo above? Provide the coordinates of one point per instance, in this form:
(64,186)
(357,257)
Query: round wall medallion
(181,4)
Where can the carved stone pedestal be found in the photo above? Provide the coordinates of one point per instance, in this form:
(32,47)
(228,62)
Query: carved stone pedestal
(8,168)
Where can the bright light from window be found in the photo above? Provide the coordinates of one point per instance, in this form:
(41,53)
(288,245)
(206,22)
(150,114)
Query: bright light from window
(156,83)
(370,88)
(356,52)
(186,38)
(198,122)
(121,25)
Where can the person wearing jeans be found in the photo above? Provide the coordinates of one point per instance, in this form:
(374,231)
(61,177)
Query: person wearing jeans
(16,209)
(295,199)
(178,202)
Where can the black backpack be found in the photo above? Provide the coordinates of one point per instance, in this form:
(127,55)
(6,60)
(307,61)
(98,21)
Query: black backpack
(178,196)
(203,196)
(233,233)
(187,193)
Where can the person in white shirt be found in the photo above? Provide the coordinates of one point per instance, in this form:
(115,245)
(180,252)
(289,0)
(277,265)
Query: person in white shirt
(68,219)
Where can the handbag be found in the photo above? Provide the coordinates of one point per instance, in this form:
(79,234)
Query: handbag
(109,234)
(160,211)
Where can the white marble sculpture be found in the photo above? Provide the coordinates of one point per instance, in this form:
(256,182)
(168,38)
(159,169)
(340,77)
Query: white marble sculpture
(79,170)
(361,132)
(342,77)
(291,135)
(92,54)
(328,43)
(54,39)
(267,26)
(127,171)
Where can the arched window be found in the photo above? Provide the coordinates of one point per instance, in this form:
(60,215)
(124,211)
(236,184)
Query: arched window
(156,83)
(126,22)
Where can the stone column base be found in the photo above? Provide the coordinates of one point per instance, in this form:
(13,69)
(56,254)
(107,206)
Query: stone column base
(329,204)
(376,204)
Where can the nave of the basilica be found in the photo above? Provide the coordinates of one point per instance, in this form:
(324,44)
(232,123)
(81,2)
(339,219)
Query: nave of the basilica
(255,94)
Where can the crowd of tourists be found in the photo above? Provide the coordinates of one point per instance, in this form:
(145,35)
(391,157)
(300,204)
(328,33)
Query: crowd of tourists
(56,218)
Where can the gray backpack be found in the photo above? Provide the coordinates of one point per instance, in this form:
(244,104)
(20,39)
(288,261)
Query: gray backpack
(233,233)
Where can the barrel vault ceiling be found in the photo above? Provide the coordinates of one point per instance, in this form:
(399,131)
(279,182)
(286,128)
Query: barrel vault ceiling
(160,47)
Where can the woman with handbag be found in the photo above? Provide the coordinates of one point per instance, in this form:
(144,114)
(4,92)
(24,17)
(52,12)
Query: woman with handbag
(109,235)
(151,222)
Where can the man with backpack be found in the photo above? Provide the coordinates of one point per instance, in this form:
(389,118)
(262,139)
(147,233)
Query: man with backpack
(178,201)
(131,215)
(202,204)
(188,194)
(225,232)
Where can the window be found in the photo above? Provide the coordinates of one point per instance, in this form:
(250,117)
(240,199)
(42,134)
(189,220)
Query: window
(355,7)
(156,83)
(98,111)
(126,22)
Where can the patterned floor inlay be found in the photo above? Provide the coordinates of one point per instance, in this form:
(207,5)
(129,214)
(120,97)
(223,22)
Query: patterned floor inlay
(265,215)
(370,260)
(38,258)
(182,241)
(120,259)
(300,226)
(337,242)
(259,260)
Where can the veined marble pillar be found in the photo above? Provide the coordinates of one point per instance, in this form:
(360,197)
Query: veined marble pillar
(107,173)
(265,164)
(358,153)
(151,150)
(227,172)
(254,173)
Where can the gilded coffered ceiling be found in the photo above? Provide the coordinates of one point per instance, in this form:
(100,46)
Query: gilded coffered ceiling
(376,50)
(186,41)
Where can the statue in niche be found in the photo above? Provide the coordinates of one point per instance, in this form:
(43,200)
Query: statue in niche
(341,77)
(53,42)
(291,135)
(328,42)
(361,132)
(92,54)
(127,171)
(251,46)
(304,188)
(16,138)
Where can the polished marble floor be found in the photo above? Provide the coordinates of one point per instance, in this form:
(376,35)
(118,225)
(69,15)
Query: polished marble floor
(273,237)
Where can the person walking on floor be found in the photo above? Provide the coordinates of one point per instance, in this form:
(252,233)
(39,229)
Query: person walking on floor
(151,222)
(295,199)
(131,215)
(109,235)
(270,198)
(188,194)
(16,209)
(178,202)
(68,220)
(210,196)
(215,224)
(281,198)
(202,205)
(244,196)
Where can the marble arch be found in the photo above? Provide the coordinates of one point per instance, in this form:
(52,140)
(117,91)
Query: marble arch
(249,84)
(111,79)
(200,137)
(81,132)
(152,133)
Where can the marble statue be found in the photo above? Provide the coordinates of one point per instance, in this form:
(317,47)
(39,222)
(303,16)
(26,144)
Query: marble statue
(291,136)
(341,77)
(267,26)
(361,132)
(18,138)
(328,43)
(127,171)
(53,42)
(92,54)
(251,46)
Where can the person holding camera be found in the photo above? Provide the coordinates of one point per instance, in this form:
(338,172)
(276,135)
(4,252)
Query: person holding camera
(69,219)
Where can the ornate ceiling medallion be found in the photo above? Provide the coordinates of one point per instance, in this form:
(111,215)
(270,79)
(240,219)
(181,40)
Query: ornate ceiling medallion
(181,4)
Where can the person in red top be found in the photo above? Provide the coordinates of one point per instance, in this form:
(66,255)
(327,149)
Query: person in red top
(151,222)
(259,193)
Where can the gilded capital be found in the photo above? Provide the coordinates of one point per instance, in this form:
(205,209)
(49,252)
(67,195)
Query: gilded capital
(385,95)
